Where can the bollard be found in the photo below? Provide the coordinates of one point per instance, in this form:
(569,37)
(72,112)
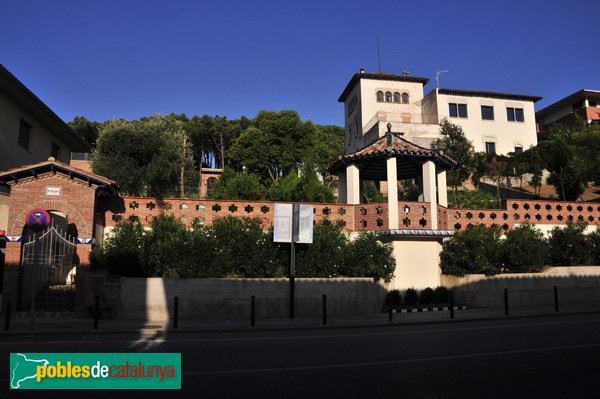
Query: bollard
(324,309)
(555,298)
(175,312)
(7,317)
(451,297)
(390,311)
(252,311)
(96,311)
(506,301)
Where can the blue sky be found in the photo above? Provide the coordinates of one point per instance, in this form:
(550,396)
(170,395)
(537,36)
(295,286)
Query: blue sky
(129,58)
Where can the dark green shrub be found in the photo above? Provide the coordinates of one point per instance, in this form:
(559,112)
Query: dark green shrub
(367,256)
(478,199)
(239,186)
(594,243)
(441,295)
(474,250)
(569,246)
(325,256)
(237,247)
(393,298)
(426,296)
(123,252)
(524,250)
(166,247)
(411,296)
(244,249)
(284,189)
(370,192)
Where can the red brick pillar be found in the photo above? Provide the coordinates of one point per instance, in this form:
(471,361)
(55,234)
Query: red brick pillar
(12,267)
(83,251)
(82,280)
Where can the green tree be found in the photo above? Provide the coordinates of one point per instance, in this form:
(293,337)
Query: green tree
(88,130)
(166,244)
(455,144)
(477,199)
(524,250)
(594,243)
(586,140)
(498,171)
(473,250)
(285,189)
(533,162)
(371,193)
(559,155)
(275,144)
(199,131)
(368,256)
(569,246)
(327,146)
(479,167)
(122,252)
(244,249)
(325,257)
(238,186)
(146,157)
(311,189)
(222,136)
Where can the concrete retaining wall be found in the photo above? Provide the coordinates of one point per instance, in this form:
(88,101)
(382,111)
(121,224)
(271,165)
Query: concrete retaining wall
(152,298)
(580,284)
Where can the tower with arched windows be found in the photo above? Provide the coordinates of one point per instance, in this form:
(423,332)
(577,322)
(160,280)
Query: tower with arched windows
(494,122)
(374,99)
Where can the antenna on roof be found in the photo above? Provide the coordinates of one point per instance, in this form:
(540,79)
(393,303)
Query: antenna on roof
(378,54)
(437,77)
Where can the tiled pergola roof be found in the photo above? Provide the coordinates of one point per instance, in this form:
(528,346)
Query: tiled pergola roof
(410,157)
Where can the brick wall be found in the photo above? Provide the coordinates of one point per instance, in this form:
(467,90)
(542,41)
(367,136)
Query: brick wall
(144,209)
(76,200)
(521,211)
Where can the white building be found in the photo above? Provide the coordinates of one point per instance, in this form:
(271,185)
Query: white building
(494,122)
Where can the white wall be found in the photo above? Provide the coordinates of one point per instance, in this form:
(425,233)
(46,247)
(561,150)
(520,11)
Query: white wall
(420,118)
(417,263)
(369,108)
(507,135)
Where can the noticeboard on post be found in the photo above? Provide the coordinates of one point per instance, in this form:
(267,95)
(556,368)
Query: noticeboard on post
(293,223)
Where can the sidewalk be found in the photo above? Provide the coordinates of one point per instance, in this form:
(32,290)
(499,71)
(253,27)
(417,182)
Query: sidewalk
(68,326)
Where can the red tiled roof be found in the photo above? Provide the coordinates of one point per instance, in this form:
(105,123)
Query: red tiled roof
(52,164)
(399,146)
(490,94)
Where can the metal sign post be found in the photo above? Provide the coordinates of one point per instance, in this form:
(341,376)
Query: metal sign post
(293,224)
(295,234)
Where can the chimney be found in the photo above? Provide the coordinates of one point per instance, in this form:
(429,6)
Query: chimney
(362,71)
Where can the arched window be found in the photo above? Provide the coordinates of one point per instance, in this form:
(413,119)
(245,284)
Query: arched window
(404,98)
(388,97)
(396,97)
(380,96)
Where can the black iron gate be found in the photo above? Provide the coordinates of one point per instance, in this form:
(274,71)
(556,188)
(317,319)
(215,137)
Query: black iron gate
(48,262)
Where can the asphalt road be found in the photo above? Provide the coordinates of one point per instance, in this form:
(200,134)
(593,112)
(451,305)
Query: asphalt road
(549,357)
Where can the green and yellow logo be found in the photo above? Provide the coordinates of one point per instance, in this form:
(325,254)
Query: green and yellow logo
(95,371)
